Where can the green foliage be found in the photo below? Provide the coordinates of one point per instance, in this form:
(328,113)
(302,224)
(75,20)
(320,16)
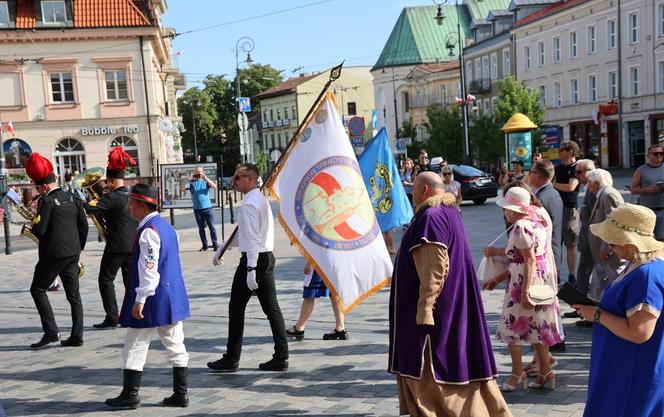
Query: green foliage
(446,133)
(486,139)
(196,105)
(261,162)
(515,97)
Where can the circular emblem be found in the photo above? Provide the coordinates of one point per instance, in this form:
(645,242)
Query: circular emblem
(332,208)
(321,116)
(306,135)
(521,151)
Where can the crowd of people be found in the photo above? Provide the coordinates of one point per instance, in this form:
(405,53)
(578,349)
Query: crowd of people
(439,346)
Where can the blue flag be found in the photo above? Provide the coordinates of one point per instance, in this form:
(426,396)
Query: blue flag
(383,182)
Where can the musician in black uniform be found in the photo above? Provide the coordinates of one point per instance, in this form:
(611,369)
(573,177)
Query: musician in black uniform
(62,229)
(120,233)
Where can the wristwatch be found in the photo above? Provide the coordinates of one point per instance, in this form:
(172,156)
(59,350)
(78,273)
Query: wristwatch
(251,268)
(598,313)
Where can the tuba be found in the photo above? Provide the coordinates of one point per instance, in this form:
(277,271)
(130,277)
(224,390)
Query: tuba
(28,214)
(90,180)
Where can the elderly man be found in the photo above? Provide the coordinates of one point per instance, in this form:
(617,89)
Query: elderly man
(607,263)
(440,347)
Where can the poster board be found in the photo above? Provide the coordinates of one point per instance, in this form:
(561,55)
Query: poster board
(174,179)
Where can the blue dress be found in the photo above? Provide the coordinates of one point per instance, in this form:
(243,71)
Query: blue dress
(626,378)
(316,288)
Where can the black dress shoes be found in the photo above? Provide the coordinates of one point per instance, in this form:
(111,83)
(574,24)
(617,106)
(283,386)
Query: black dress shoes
(336,335)
(106,325)
(72,342)
(274,364)
(45,341)
(203,249)
(585,324)
(223,365)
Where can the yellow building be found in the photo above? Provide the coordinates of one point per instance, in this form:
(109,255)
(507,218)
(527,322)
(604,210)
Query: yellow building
(284,107)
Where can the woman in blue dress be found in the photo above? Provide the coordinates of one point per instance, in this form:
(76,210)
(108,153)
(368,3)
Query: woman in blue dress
(627,356)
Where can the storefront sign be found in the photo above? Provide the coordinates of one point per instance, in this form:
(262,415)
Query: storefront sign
(106,130)
(609,108)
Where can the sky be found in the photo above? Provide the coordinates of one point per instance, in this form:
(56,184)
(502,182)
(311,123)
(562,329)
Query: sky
(314,36)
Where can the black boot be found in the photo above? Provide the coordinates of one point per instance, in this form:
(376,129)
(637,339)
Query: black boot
(179,397)
(128,398)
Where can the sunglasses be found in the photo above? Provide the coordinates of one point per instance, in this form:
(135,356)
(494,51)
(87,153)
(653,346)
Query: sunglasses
(447,173)
(237,177)
(658,153)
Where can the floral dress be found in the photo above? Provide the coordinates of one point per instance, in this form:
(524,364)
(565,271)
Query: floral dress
(518,325)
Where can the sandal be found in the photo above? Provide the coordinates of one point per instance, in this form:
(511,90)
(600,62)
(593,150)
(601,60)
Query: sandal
(520,380)
(336,335)
(294,333)
(532,369)
(547,382)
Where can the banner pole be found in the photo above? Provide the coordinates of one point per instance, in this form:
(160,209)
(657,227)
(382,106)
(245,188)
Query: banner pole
(335,73)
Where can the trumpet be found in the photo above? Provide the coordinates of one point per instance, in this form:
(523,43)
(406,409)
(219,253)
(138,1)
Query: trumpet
(28,214)
(90,179)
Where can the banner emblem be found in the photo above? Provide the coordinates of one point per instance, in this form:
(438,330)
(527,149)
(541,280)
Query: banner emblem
(331,206)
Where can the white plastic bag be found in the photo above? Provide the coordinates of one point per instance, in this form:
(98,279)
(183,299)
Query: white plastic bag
(492,266)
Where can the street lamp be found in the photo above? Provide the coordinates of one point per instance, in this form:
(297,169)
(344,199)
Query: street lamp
(244,44)
(196,104)
(449,44)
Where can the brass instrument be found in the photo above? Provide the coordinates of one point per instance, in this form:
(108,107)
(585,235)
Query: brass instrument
(90,179)
(26,231)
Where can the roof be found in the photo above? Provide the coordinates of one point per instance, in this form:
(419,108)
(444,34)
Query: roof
(418,39)
(480,9)
(549,10)
(495,14)
(88,14)
(287,87)
(434,68)
(479,22)
(515,4)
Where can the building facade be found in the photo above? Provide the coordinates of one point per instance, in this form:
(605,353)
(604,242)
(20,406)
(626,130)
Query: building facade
(80,77)
(285,106)
(595,67)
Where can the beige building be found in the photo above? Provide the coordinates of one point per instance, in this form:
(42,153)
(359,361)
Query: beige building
(581,55)
(80,77)
(284,107)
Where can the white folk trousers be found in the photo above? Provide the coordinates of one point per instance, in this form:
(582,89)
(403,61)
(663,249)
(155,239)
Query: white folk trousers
(137,342)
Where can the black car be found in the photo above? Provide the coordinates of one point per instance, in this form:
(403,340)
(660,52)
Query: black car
(476,185)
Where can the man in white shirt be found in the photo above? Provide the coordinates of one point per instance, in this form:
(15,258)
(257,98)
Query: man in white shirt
(254,274)
(156,301)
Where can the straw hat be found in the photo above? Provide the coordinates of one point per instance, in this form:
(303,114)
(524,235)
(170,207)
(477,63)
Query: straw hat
(629,224)
(516,199)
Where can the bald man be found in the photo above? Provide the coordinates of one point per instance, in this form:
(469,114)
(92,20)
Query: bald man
(438,372)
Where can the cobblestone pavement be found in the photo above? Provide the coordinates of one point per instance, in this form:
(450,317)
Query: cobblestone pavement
(340,378)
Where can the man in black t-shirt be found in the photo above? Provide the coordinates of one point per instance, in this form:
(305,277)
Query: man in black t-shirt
(568,186)
(423,161)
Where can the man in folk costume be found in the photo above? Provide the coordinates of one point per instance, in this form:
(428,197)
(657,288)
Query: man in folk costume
(440,347)
(120,233)
(62,229)
(155,301)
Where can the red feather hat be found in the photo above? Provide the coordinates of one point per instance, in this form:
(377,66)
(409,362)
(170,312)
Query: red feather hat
(40,169)
(117,163)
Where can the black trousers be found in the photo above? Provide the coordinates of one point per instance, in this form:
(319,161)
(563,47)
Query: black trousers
(584,270)
(267,296)
(46,271)
(108,269)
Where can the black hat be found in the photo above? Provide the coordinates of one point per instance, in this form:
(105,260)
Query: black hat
(517,161)
(145,193)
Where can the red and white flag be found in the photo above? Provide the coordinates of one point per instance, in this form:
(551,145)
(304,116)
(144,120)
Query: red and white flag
(470,98)
(10,128)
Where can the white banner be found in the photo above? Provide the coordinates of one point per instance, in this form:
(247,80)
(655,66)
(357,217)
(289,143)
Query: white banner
(325,209)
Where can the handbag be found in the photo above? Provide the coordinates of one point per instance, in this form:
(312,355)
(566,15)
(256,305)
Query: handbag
(541,294)
(492,266)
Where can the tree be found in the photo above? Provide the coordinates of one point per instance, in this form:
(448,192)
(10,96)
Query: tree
(515,97)
(195,105)
(446,133)
(488,141)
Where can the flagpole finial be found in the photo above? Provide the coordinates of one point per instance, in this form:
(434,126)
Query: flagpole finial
(335,72)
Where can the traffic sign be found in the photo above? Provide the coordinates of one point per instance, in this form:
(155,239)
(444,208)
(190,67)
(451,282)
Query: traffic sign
(356,126)
(245,104)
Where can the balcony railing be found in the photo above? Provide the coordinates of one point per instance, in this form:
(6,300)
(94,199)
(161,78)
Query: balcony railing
(483,85)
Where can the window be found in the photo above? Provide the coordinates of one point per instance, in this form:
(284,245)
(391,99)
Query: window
(611,34)
(633,22)
(54,12)
(352,108)
(485,68)
(271,115)
(469,71)
(279,140)
(613,84)
(660,20)
(406,102)
(264,116)
(478,70)
(542,91)
(660,76)
(285,113)
(506,62)
(541,53)
(573,45)
(4,14)
(526,58)
(69,155)
(487,107)
(418,98)
(574,91)
(62,87)
(558,94)
(592,88)
(278,114)
(634,81)
(592,40)
(116,85)
(293,113)
(426,96)
(556,49)
(128,144)
(494,66)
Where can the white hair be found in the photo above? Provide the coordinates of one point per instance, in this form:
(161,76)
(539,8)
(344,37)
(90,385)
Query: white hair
(600,176)
(586,164)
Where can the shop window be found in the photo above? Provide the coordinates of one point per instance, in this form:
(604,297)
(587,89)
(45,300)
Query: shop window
(127,143)
(69,155)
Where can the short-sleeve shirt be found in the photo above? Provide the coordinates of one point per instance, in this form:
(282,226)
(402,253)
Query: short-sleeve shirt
(563,174)
(199,194)
(626,377)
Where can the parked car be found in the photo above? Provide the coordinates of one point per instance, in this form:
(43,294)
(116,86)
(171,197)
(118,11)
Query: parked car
(476,185)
